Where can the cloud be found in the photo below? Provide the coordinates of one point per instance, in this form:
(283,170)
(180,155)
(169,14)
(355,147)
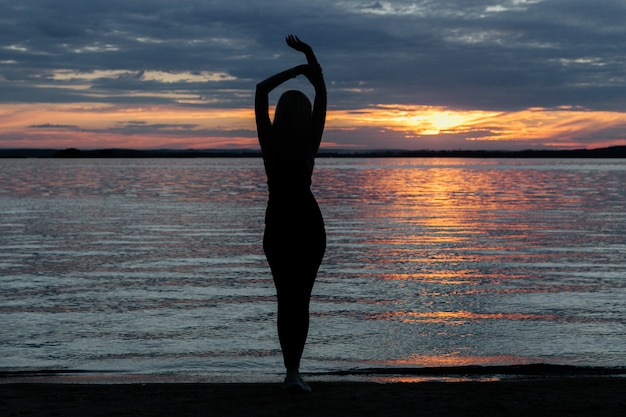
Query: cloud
(53,126)
(159,76)
(467,56)
(416,126)
(480,54)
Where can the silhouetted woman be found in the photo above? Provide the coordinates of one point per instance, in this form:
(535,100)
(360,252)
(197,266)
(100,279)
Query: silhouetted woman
(294,241)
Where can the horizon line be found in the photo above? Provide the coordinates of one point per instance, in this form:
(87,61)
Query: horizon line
(605,152)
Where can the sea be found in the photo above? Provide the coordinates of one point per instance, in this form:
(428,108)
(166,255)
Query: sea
(153,269)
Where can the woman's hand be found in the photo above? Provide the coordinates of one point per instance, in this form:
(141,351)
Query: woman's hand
(298,45)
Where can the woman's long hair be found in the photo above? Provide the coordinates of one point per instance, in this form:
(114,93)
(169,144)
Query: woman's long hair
(293,128)
(293,113)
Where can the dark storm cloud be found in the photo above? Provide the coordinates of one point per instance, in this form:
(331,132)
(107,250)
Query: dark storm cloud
(487,54)
(53,126)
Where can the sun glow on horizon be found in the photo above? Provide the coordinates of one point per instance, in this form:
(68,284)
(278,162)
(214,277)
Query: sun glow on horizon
(413,120)
(101,125)
(565,126)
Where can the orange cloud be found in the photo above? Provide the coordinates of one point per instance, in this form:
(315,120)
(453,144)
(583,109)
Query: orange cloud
(89,125)
(562,127)
(101,125)
(413,120)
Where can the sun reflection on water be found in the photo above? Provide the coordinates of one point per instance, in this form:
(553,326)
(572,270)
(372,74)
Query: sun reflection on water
(430,262)
(456,317)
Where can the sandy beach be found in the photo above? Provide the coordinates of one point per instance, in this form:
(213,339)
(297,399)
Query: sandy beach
(559,396)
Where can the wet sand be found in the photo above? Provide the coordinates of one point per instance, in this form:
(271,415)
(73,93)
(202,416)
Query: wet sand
(552,396)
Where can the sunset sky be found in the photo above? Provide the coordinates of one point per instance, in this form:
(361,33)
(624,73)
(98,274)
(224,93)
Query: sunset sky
(429,74)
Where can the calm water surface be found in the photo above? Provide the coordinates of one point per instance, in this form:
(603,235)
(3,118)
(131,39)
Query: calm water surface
(155,266)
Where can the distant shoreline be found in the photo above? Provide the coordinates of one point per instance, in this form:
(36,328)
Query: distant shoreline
(610,152)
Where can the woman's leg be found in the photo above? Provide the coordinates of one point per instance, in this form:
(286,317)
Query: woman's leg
(294,267)
(293,320)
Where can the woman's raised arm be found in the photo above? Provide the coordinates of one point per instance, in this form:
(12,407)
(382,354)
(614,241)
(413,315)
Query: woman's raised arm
(263,89)
(314,73)
(318,118)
